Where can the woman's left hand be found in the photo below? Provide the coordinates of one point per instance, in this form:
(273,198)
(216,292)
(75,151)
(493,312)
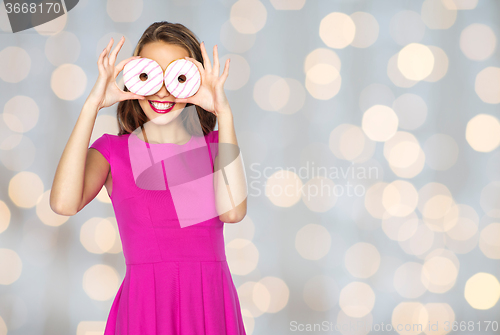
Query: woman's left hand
(210,95)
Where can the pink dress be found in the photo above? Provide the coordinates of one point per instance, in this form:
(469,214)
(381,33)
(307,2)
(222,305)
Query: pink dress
(177,280)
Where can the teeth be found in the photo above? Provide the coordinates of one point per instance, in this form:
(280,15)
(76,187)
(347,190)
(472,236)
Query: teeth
(162,105)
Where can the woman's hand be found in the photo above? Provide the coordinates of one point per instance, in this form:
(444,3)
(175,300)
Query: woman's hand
(210,95)
(106,92)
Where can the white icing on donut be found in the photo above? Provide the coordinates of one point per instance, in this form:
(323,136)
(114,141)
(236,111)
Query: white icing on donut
(135,68)
(193,78)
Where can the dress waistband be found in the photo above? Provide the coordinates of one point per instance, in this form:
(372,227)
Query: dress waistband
(189,244)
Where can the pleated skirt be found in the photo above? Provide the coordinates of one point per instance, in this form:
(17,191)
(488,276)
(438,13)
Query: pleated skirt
(176,298)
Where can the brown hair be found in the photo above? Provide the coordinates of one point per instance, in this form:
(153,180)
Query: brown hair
(130,115)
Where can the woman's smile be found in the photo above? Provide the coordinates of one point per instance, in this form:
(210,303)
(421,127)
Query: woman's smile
(161,107)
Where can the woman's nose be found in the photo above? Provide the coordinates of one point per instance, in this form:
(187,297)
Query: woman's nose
(163,92)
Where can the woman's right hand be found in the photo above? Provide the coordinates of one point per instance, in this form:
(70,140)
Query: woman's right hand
(106,92)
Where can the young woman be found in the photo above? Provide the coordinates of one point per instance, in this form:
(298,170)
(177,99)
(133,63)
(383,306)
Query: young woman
(177,279)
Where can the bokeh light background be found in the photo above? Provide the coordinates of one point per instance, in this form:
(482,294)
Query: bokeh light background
(398,99)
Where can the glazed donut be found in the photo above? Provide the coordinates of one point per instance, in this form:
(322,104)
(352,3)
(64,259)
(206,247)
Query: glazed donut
(143,76)
(182,78)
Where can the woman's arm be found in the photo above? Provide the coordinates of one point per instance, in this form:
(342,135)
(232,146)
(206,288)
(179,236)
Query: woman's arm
(234,173)
(229,181)
(81,172)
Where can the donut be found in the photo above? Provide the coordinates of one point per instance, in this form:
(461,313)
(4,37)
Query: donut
(143,76)
(182,78)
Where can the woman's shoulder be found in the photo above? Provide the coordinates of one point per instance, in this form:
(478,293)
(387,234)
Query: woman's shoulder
(113,135)
(108,139)
(118,137)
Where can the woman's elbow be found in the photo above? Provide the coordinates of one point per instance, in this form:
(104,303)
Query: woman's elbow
(233,216)
(59,208)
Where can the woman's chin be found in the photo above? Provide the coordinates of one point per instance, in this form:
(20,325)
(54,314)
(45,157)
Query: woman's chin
(163,119)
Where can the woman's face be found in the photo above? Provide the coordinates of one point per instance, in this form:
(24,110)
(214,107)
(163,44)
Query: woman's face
(163,53)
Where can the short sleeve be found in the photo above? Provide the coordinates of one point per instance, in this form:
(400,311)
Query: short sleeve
(102,145)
